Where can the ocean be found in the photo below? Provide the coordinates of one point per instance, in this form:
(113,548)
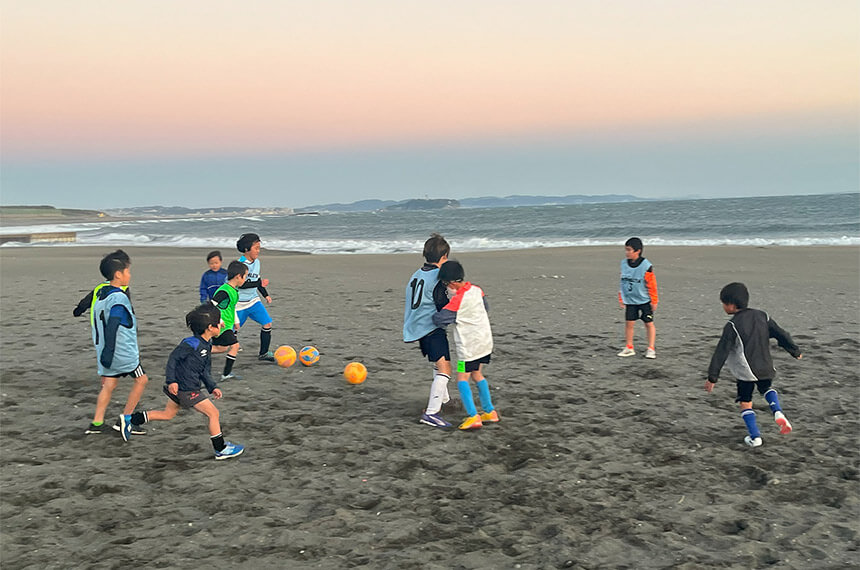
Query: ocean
(830,219)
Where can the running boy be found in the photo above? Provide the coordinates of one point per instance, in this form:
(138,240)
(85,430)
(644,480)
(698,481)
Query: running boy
(213,277)
(473,339)
(249,305)
(638,296)
(425,295)
(115,338)
(225,299)
(744,346)
(188,370)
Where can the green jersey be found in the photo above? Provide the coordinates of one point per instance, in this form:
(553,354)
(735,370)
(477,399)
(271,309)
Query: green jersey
(225,298)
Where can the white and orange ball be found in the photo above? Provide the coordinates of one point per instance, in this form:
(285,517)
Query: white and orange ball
(309,355)
(355,373)
(285,356)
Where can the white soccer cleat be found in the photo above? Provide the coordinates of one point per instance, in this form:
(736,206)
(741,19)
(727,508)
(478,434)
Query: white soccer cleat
(752,441)
(651,353)
(782,422)
(627,352)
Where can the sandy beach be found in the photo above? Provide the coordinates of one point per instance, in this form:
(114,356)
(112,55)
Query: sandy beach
(598,462)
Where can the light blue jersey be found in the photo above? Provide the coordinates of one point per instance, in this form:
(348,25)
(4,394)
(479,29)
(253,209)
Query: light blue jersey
(126,356)
(633,288)
(420,307)
(250,294)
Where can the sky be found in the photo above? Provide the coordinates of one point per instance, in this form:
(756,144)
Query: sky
(294,103)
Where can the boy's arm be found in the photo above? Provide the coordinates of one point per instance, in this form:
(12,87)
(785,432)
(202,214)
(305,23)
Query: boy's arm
(258,284)
(721,353)
(204,291)
(119,316)
(440,295)
(651,285)
(448,314)
(221,299)
(83,305)
(172,361)
(783,339)
(207,378)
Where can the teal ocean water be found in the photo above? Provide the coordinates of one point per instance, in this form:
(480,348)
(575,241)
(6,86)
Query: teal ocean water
(831,219)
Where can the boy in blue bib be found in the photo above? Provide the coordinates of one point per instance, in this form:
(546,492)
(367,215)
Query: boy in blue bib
(637,295)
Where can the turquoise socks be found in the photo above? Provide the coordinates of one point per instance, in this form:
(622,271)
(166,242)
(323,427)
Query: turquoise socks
(484,393)
(466,397)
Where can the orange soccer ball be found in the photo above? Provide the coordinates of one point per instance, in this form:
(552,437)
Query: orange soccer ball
(285,356)
(355,373)
(309,355)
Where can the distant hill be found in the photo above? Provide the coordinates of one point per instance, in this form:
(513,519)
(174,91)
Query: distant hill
(486,202)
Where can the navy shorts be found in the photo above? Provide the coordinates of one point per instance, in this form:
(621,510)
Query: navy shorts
(636,312)
(472,365)
(745,389)
(136,373)
(434,345)
(186,399)
(226,338)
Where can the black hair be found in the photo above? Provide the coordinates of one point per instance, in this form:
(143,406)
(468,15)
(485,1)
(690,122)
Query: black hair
(246,241)
(214,253)
(451,271)
(113,263)
(735,294)
(236,268)
(436,248)
(201,317)
(635,243)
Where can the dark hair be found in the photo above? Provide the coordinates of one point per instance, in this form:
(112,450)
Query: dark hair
(236,268)
(246,241)
(436,248)
(451,271)
(635,243)
(199,319)
(114,262)
(735,294)
(214,253)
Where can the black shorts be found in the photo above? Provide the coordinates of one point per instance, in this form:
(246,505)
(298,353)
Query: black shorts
(136,373)
(434,345)
(472,365)
(186,399)
(745,389)
(636,312)
(226,338)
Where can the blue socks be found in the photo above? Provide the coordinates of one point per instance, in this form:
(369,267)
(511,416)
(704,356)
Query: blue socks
(484,393)
(773,400)
(466,397)
(749,419)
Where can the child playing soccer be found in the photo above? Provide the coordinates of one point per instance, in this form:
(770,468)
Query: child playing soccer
(187,371)
(744,347)
(213,277)
(473,338)
(115,338)
(249,305)
(425,295)
(638,296)
(225,299)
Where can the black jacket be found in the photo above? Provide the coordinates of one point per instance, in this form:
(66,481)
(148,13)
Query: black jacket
(189,365)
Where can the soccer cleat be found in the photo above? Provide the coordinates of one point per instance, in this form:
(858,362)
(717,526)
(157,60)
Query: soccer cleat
(230,376)
(125,426)
(135,429)
(267,357)
(650,353)
(627,352)
(490,417)
(230,450)
(472,422)
(782,422)
(94,429)
(434,420)
(752,441)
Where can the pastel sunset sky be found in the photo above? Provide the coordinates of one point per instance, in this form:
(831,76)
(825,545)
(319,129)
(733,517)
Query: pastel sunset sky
(291,103)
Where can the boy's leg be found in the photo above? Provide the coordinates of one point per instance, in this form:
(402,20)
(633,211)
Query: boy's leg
(135,394)
(773,401)
(745,390)
(484,394)
(168,413)
(230,360)
(473,420)
(223,449)
(439,387)
(108,385)
(265,339)
(628,333)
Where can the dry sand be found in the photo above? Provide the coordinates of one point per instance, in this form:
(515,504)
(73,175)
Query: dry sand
(598,462)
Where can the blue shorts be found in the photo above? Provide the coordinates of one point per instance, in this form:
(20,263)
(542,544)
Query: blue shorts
(256,312)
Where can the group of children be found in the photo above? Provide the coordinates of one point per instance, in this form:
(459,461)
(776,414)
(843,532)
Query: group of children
(437,295)
(228,298)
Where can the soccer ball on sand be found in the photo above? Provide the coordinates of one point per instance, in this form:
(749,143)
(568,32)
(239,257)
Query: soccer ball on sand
(309,355)
(285,356)
(355,373)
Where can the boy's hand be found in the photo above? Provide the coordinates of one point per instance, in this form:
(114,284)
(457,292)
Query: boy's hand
(265,282)
(216,393)
(799,356)
(269,299)
(709,386)
(173,388)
